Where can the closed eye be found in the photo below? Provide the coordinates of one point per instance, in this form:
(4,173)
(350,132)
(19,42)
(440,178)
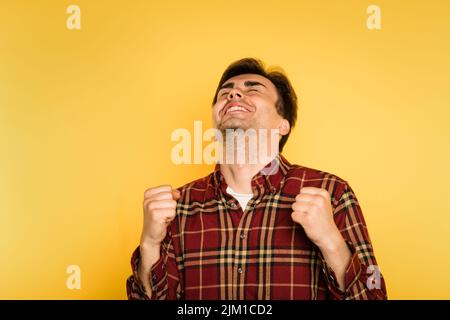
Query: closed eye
(223,93)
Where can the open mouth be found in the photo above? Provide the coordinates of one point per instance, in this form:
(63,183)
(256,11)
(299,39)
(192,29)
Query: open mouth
(235,108)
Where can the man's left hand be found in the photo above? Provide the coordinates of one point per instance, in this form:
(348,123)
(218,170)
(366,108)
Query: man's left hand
(313,211)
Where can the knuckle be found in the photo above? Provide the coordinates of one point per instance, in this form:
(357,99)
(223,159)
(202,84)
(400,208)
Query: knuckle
(165,188)
(146,204)
(151,206)
(325,193)
(319,200)
(154,190)
(173,212)
(162,196)
(156,214)
(148,191)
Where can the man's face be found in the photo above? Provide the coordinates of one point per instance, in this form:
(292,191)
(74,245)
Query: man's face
(246,102)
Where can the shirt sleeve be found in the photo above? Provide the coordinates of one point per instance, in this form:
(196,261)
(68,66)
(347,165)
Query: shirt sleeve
(135,287)
(363,279)
(164,275)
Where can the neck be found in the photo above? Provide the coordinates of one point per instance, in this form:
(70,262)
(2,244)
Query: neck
(239,176)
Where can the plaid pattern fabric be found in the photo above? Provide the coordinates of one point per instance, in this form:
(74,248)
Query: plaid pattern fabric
(216,250)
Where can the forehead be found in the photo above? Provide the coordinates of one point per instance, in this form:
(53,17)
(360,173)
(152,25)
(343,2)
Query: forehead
(240,79)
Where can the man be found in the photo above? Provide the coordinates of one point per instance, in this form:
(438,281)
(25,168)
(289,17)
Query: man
(255,230)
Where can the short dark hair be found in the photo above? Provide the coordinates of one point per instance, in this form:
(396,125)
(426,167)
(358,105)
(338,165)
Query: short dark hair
(287,99)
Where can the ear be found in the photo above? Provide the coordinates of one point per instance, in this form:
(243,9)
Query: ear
(284,127)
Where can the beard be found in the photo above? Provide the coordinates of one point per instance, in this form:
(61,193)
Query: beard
(245,141)
(234,124)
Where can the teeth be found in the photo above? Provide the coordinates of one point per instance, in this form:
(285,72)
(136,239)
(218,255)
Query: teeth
(236,108)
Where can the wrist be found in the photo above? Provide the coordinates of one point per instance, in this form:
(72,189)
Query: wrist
(150,254)
(333,243)
(149,244)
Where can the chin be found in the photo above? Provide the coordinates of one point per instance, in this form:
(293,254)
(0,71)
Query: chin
(233,125)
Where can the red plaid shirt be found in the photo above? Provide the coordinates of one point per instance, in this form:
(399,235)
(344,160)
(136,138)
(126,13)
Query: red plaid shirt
(216,250)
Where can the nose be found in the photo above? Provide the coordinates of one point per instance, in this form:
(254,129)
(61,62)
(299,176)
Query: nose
(235,94)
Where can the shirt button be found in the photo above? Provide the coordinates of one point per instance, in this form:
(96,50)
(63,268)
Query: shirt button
(239,270)
(233,205)
(242,236)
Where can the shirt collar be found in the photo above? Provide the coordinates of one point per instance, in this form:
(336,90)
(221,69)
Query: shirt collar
(271,177)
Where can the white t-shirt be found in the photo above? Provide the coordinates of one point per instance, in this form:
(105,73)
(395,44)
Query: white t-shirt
(242,198)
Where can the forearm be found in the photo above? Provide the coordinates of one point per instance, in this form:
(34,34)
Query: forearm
(337,255)
(150,254)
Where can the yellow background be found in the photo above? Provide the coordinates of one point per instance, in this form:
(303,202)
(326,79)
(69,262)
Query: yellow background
(86,117)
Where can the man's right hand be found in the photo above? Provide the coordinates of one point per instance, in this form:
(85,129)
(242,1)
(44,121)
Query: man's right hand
(159,210)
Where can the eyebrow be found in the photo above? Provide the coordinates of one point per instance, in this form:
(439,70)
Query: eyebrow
(247,83)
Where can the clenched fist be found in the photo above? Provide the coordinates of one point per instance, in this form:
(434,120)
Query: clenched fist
(313,211)
(159,210)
